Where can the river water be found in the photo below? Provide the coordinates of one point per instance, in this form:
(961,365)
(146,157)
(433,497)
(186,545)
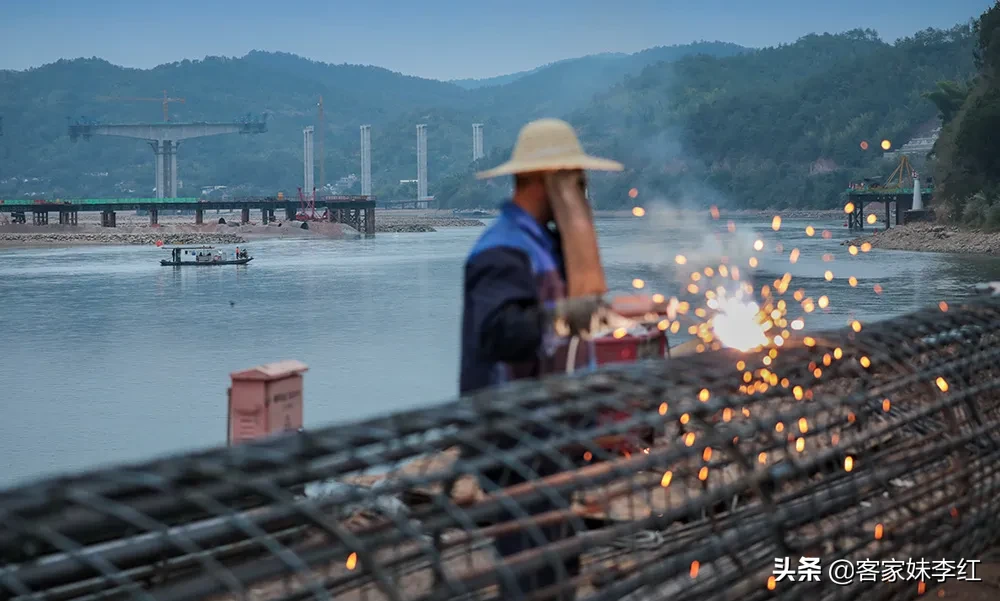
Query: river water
(108,357)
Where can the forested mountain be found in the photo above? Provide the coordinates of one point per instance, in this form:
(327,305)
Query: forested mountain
(37,103)
(690,120)
(968,152)
(769,128)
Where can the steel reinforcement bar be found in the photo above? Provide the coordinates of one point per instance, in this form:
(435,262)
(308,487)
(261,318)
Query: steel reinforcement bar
(679,479)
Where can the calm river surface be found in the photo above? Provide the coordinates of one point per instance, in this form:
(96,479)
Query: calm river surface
(108,357)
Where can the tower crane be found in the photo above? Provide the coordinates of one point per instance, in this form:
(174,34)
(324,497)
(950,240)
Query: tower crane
(165,100)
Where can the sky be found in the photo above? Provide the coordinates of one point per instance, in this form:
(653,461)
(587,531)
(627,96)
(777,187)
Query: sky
(440,39)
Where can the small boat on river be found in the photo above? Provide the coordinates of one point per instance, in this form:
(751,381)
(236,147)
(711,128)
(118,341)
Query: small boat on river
(205,255)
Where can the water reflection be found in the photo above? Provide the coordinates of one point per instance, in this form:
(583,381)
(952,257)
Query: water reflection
(110,357)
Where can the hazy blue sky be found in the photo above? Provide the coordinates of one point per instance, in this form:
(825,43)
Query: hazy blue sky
(432,38)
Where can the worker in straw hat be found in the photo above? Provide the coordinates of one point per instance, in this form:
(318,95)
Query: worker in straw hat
(536,265)
(522,268)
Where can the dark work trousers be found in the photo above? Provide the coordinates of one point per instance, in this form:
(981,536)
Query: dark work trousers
(543,576)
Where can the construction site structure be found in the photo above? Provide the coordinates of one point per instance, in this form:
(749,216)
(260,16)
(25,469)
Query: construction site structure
(421,161)
(307,208)
(902,188)
(366,160)
(477,141)
(164,138)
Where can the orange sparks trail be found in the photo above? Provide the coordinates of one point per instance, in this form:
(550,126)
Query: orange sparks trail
(721,310)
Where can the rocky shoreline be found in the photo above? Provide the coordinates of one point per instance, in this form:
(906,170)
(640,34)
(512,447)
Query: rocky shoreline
(932,237)
(114,239)
(389,222)
(175,230)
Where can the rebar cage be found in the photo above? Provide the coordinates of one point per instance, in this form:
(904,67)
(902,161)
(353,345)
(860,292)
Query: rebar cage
(871,444)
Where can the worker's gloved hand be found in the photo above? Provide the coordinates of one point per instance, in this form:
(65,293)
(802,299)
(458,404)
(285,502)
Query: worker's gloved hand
(579,316)
(642,305)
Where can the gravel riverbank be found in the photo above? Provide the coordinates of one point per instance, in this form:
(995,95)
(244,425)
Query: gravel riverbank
(20,239)
(178,229)
(931,237)
(403,221)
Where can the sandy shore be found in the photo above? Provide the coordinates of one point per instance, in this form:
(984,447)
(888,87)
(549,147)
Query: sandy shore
(932,237)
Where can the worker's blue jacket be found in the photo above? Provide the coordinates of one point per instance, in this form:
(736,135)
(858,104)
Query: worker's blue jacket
(512,275)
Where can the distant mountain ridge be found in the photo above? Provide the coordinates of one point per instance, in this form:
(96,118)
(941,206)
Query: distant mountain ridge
(637,59)
(36,104)
(742,125)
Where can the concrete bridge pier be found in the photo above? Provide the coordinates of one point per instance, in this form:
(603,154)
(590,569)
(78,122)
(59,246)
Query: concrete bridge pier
(108,219)
(154,216)
(40,217)
(245,215)
(290,212)
(199,216)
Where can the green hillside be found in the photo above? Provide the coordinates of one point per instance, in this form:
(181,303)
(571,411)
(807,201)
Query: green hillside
(36,105)
(747,130)
(692,122)
(967,169)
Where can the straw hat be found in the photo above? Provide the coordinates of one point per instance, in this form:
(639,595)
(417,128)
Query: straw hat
(548,145)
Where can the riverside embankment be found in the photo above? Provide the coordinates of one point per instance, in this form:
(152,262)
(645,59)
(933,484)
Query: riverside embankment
(932,237)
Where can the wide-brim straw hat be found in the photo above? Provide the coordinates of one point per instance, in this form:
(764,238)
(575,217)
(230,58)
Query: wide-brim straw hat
(549,145)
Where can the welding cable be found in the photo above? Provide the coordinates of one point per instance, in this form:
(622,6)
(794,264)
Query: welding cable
(574,343)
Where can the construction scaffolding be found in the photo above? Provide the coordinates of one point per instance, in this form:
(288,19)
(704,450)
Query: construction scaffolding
(875,444)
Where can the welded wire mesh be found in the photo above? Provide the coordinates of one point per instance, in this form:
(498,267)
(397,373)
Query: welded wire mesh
(872,443)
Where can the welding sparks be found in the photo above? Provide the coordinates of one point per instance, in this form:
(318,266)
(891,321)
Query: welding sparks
(738,324)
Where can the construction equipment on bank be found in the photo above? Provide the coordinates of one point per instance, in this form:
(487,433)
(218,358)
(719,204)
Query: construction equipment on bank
(307,208)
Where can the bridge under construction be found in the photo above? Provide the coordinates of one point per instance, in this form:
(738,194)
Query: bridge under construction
(874,448)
